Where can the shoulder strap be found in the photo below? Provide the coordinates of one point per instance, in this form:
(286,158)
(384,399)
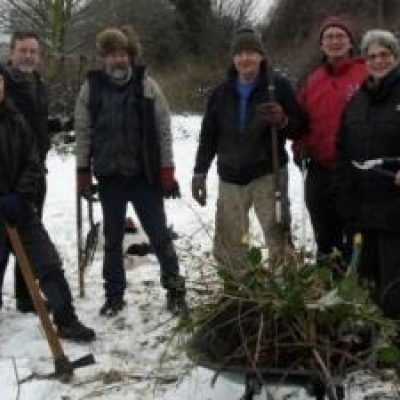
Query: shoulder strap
(139,72)
(94,79)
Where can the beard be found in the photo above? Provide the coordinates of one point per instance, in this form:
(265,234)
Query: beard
(119,72)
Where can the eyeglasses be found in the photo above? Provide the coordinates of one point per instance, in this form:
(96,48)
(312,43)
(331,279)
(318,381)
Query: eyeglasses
(330,37)
(383,55)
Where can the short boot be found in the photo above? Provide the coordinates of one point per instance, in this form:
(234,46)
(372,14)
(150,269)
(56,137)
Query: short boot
(25,305)
(176,303)
(112,306)
(76,332)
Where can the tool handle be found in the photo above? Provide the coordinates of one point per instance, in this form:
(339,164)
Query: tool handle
(27,273)
(81,269)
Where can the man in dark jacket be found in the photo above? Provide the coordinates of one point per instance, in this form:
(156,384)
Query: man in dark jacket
(20,172)
(237,129)
(29,94)
(123,135)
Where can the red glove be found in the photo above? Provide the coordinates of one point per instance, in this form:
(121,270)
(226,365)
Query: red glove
(83,180)
(168,183)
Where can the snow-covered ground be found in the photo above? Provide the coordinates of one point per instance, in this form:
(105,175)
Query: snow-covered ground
(136,356)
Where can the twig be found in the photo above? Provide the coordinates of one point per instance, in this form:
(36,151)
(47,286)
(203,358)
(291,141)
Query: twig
(161,324)
(16,378)
(325,372)
(165,379)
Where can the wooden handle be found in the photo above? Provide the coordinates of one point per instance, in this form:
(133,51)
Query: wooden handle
(81,268)
(34,291)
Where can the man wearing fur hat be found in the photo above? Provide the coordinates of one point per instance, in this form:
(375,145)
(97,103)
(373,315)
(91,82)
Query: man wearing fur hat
(237,129)
(124,139)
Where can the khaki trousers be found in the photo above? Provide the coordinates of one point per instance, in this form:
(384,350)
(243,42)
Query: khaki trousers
(232,219)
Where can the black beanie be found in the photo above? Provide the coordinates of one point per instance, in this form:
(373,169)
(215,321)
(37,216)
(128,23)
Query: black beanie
(247,39)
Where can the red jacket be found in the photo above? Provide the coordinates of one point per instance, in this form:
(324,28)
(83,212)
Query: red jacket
(323,97)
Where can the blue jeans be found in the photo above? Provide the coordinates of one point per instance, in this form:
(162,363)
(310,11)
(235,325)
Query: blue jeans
(115,193)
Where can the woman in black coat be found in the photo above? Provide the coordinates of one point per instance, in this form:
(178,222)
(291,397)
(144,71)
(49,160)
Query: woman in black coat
(369,199)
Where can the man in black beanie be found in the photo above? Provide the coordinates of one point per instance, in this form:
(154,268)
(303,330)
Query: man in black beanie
(237,130)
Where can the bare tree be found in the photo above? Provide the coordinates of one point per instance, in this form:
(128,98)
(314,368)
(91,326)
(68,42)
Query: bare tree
(239,11)
(51,19)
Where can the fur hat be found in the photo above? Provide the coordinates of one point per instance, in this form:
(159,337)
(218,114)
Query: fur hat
(134,46)
(247,39)
(111,39)
(339,22)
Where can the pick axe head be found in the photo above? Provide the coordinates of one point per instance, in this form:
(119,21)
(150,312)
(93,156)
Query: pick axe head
(64,368)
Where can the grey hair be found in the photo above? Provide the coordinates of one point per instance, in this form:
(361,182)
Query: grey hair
(382,38)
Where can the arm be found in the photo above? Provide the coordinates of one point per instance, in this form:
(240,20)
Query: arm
(344,178)
(163,123)
(32,168)
(207,148)
(296,118)
(83,128)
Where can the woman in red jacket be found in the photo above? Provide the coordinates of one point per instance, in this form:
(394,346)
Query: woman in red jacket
(323,96)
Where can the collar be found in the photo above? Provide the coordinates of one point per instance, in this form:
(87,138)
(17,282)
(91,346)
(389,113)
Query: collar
(341,67)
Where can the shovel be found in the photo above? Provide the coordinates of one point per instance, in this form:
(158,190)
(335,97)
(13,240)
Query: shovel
(87,249)
(63,368)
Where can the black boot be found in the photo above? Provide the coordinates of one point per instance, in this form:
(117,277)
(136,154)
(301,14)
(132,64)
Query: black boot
(176,302)
(76,331)
(112,306)
(25,307)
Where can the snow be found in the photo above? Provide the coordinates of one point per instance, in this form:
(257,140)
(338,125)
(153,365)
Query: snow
(137,356)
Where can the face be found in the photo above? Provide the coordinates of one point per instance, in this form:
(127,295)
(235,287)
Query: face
(25,55)
(335,43)
(117,62)
(379,60)
(247,64)
(1,88)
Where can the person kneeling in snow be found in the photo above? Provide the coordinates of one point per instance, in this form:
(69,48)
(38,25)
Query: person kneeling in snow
(20,172)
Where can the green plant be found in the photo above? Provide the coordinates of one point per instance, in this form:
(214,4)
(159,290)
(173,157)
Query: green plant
(294,316)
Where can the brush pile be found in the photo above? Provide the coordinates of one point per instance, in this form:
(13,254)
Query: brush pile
(294,317)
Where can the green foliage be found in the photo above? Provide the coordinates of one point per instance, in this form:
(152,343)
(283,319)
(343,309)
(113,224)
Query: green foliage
(389,355)
(288,312)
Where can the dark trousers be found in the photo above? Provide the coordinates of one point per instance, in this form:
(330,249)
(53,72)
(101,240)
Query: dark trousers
(327,225)
(380,267)
(21,291)
(147,200)
(46,264)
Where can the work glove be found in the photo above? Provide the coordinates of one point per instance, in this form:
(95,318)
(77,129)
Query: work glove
(67,124)
(84,181)
(274,115)
(199,190)
(11,207)
(301,158)
(169,185)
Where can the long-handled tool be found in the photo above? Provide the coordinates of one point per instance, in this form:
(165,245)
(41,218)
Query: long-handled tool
(86,249)
(63,367)
(275,157)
